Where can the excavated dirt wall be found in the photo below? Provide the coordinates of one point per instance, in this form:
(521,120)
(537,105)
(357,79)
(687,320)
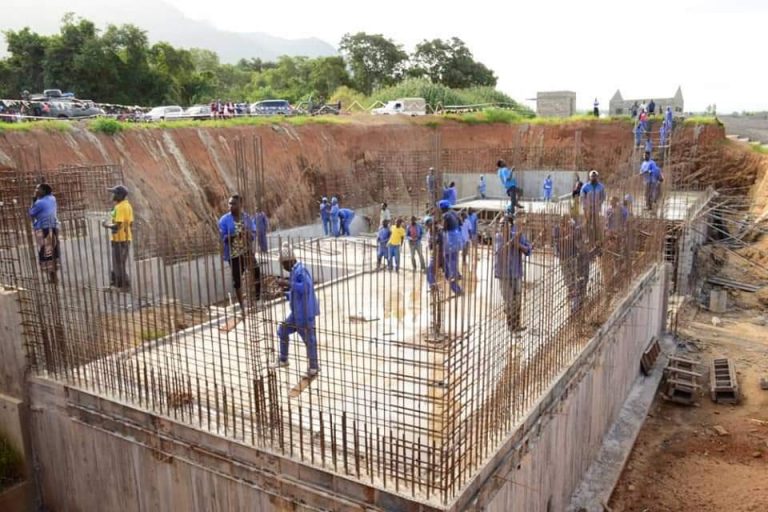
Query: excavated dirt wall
(181,177)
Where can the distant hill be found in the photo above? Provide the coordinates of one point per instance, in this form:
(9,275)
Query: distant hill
(162,21)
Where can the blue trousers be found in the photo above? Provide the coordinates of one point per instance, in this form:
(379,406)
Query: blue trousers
(307,332)
(394,257)
(345,227)
(262,237)
(327,225)
(432,277)
(548,195)
(335,226)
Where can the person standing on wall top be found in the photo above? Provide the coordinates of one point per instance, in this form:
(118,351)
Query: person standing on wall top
(510,247)
(415,232)
(592,199)
(325,215)
(651,107)
(121,220)
(653,178)
(548,188)
(237,231)
(385,214)
(509,182)
(304,307)
(45,224)
(668,117)
(262,228)
(335,228)
(345,219)
(596,108)
(482,187)
(396,238)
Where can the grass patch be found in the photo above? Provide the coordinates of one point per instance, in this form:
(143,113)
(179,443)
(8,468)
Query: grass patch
(48,126)
(694,120)
(105,125)
(11,464)
(494,115)
(759,148)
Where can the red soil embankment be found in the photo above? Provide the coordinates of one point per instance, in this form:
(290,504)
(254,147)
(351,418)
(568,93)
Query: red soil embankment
(182,176)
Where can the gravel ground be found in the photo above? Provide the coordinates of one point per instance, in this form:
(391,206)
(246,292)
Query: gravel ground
(755,127)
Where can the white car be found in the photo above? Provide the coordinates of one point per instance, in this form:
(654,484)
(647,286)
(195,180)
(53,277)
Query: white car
(163,113)
(403,106)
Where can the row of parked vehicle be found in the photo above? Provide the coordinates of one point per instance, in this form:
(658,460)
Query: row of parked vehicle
(260,108)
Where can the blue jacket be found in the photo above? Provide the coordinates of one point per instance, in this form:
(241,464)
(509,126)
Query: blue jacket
(507,178)
(261,222)
(325,211)
(547,184)
(43,213)
(346,214)
(650,171)
(592,195)
(616,220)
(472,217)
(509,260)
(449,194)
(302,297)
(227,229)
(334,211)
(482,186)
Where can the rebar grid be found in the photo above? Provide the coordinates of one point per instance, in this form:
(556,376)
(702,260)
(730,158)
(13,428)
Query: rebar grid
(418,386)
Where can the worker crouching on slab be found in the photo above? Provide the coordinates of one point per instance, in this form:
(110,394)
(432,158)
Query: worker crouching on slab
(304,309)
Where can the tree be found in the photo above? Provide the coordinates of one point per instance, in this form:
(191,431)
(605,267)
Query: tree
(326,75)
(374,60)
(25,64)
(449,63)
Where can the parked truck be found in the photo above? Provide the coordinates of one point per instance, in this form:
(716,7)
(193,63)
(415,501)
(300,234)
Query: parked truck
(404,106)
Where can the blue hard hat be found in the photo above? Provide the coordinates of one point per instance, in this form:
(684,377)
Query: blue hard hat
(334,200)
(444,204)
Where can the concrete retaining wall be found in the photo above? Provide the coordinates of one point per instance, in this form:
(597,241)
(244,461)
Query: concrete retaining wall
(531,181)
(541,464)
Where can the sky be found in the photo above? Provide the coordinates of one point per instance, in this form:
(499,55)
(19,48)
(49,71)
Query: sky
(712,48)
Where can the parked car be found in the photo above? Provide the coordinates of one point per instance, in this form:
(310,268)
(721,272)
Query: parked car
(198,112)
(404,106)
(72,109)
(163,113)
(272,108)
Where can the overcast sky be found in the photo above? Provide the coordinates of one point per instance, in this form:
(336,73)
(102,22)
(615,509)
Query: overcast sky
(714,49)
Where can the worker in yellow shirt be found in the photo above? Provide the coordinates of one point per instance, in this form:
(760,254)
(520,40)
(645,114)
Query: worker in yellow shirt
(396,238)
(120,226)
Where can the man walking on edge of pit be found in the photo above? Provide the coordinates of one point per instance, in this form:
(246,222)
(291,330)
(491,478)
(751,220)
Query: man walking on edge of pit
(304,307)
(121,220)
(509,182)
(45,224)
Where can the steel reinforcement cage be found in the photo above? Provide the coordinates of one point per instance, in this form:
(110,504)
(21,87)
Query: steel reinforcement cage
(418,386)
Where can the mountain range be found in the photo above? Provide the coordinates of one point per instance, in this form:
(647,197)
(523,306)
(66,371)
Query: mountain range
(163,22)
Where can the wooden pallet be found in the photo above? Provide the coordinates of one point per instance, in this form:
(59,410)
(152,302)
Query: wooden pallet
(681,380)
(649,356)
(723,386)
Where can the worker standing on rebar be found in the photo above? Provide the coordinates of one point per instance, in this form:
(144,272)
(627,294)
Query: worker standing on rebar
(121,220)
(237,232)
(304,307)
(616,217)
(511,246)
(45,224)
(345,219)
(592,199)
(415,232)
(385,214)
(482,187)
(548,186)
(396,237)
(382,242)
(569,247)
(509,182)
(335,216)
(452,243)
(653,178)
(262,228)
(663,134)
(325,215)
(466,236)
(450,194)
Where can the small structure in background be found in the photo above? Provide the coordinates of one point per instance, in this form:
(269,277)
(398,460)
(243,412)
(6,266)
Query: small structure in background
(555,103)
(618,106)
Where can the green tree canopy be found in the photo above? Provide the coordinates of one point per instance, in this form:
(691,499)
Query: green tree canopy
(449,63)
(375,61)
